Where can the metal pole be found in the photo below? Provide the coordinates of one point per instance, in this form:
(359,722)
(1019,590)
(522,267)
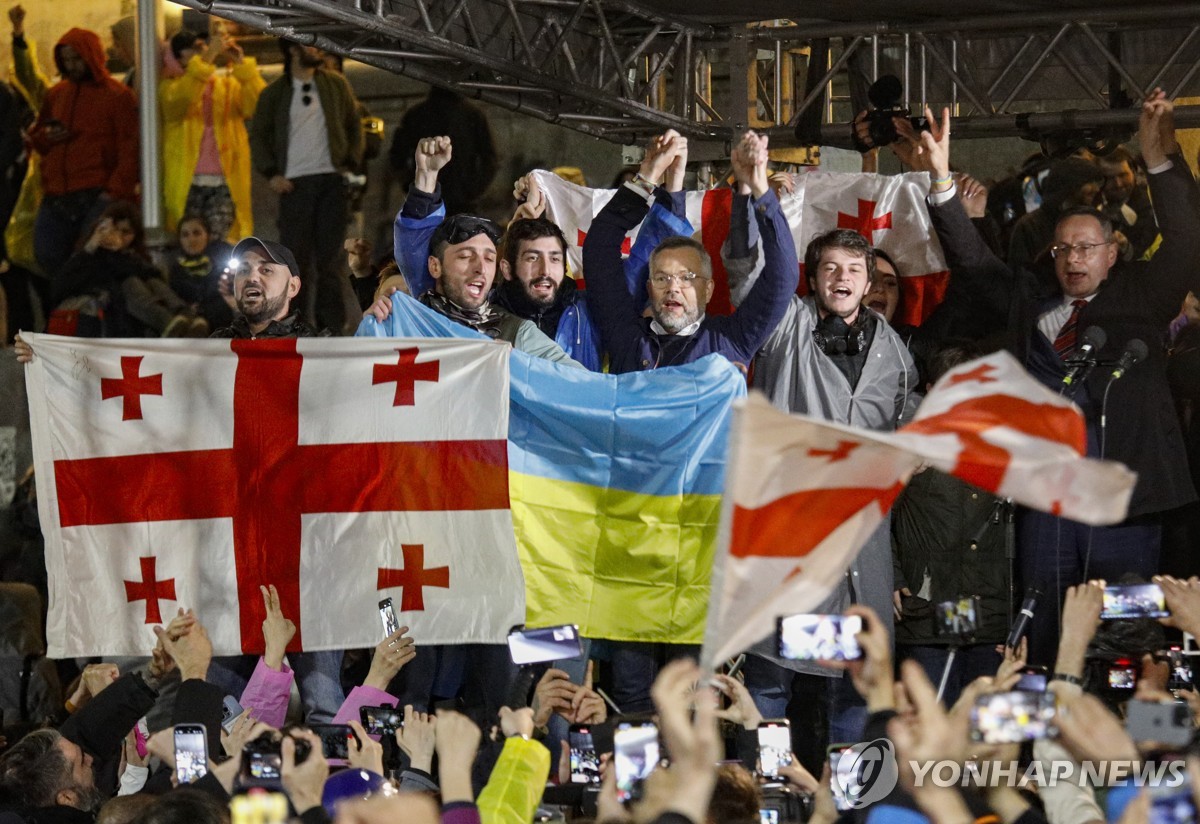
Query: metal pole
(147,81)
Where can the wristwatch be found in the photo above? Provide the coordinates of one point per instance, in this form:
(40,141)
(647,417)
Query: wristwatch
(1067,678)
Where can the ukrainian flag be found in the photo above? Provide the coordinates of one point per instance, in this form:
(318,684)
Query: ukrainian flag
(615,484)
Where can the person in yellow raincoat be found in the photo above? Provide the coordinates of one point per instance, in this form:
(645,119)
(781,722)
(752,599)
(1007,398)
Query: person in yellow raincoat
(206,152)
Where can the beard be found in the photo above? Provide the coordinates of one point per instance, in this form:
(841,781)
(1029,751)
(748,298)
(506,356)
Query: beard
(677,323)
(540,300)
(88,799)
(267,309)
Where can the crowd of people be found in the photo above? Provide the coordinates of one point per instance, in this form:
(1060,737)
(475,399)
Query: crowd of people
(1104,257)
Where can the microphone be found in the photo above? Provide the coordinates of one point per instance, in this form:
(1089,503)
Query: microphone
(1021,624)
(1135,352)
(1093,341)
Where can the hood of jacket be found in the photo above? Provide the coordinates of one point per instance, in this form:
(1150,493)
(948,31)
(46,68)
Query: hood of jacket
(88,46)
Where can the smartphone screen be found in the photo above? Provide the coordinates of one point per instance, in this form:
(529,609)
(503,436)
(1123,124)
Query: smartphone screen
(768,817)
(774,747)
(840,776)
(959,617)
(1133,601)
(1012,717)
(1031,682)
(388,615)
(381,720)
(536,646)
(191,752)
(585,761)
(810,637)
(335,739)
(635,755)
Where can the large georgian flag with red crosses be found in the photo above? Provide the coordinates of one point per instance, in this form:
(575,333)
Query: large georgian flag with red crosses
(802,495)
(888,210)
(188,473)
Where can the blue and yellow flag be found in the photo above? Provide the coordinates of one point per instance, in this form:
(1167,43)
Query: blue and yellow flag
(615,483)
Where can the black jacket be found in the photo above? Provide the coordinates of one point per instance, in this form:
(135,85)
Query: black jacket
(1137,300)
(289,327)
(954,533)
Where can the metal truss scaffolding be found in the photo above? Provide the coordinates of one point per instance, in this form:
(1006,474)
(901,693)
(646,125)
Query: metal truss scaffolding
(620,71)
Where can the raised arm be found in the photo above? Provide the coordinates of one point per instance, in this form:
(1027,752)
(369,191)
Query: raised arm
(767,300)
(615,309)
(422,213)
(970,260)
(1172,270)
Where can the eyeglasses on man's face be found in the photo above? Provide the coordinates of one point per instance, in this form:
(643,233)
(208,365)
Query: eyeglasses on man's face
(685,279)
(1084,250)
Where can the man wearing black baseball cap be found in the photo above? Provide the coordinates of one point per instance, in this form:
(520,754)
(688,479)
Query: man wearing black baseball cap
(265,278)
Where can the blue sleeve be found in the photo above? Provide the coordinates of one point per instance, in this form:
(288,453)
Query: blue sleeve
(421,214)
(661,223)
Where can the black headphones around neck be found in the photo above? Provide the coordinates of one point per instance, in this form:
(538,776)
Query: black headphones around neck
(836,337)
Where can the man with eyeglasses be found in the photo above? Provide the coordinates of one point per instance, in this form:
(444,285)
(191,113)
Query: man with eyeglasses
(680,284)
(450,263)
(1130,420)
(305,136)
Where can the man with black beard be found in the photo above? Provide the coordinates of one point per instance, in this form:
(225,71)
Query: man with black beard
(265,279)
(535,287)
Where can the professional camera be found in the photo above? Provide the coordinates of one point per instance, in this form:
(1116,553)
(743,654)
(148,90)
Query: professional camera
(885,95)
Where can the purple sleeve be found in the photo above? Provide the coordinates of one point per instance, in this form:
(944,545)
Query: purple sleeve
(266,694)
(460,812)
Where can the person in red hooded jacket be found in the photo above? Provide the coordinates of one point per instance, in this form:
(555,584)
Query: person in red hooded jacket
(87,134)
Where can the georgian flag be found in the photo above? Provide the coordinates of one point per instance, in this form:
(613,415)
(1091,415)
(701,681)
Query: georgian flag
(889,210)
(802,495)
(182,473)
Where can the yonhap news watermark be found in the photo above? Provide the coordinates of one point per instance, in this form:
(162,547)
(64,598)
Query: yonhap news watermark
(868,773)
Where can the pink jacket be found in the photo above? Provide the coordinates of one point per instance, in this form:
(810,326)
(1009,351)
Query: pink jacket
(268,690)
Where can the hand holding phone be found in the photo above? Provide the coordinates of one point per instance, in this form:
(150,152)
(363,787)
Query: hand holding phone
(774,747)
(191,752)
(635,755)
(1128,601)
(809,637)
(585,761)
(381,720)
(1013,717)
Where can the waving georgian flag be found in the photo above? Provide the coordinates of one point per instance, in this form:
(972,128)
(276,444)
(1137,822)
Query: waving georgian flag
(889,210)
(189,473)
(803,495)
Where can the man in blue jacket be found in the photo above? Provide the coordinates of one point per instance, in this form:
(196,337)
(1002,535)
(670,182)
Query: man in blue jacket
(680,284)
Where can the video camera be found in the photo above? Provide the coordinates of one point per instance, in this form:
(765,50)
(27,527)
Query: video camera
(885,95)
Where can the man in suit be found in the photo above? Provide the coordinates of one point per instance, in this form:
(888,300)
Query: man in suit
(1128,420)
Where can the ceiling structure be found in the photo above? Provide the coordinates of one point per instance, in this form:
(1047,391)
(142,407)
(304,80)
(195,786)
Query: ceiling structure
(797,69)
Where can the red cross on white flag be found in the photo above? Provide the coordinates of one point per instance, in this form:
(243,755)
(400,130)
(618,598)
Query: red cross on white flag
(185,473)
(889,210)
(802,496)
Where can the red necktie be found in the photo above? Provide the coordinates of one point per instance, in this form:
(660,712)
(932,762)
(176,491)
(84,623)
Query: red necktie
(1064,344)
